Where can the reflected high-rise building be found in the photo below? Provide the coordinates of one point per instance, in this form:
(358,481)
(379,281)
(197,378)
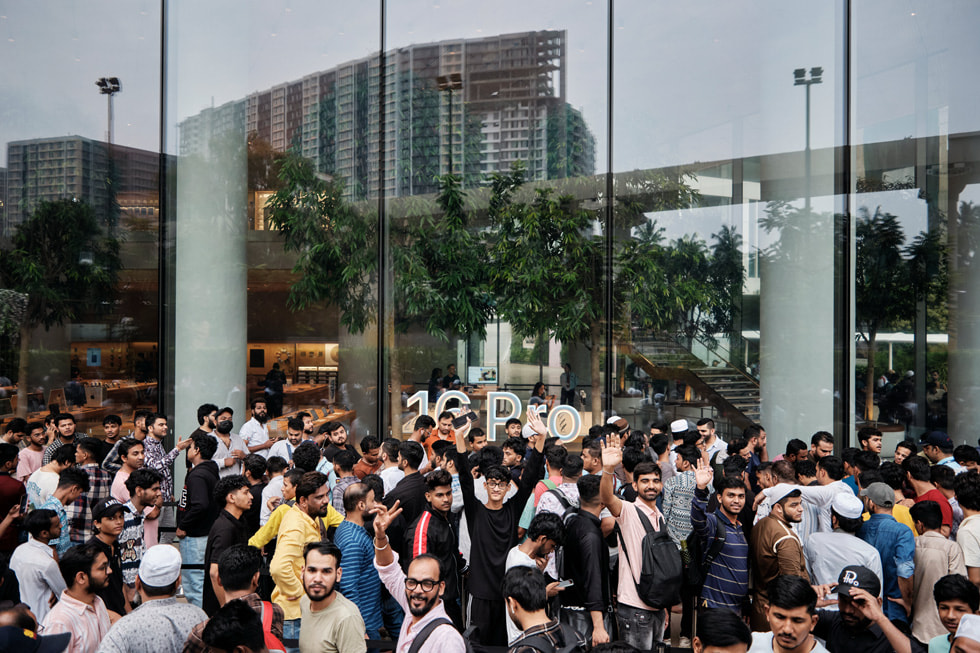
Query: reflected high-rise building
(48,169)
(512,107)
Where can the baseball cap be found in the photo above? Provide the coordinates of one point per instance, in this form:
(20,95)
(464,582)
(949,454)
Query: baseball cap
(679,426)
(21,640)
(881,494)
(847,505)
(969,627)
(106,508)
(782,490)
(937,439)
(160,566)
(860,577)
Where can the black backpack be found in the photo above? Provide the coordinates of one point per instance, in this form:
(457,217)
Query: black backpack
(571,642)
(569,512)
(698,560)
(661,569)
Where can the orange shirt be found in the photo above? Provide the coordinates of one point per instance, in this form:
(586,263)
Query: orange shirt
(362,469)
(432,439)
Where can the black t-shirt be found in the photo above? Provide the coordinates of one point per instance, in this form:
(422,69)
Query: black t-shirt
(332,450)
(112,593)
(226,532)
(253,514)
(493,533)
(841,639)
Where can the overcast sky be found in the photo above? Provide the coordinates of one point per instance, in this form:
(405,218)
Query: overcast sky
(694,81)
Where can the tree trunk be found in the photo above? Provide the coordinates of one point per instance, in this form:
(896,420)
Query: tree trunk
(595,336)
(25,348)
(869,391)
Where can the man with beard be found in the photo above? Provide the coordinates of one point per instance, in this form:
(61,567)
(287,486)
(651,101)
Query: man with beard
(255,432)
(420,592)
(337,441)
(300,526)
(776,548)
(792,613)
(860,625)
(726,581)
(79,611)
(433,534)
(331,623)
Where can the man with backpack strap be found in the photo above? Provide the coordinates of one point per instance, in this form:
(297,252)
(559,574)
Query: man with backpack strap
(649,563)
(426,627)
(238,574)
(723,552)
(526,594)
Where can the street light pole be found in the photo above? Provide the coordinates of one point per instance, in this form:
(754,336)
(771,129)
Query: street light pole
(449,83)
(109,86)
(800,79)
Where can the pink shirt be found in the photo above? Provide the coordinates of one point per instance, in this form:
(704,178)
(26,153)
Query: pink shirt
(633,533)
(29,462)
(444,639)
(88,624)
(121,494)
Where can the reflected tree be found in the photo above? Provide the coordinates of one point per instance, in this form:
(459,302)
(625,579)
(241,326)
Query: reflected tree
(63,259)
(334,243)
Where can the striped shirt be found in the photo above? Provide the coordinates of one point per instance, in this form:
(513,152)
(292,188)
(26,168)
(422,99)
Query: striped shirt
(80,511)
(360,581)
(727,580)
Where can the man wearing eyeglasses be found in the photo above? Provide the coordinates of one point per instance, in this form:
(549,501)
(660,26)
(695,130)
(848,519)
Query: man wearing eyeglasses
(426,627)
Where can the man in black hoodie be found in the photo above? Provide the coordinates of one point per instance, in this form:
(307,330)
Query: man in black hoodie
(433,533)
(493,530)
(197,512)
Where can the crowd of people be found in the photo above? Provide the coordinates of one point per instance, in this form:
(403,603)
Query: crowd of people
(445,542)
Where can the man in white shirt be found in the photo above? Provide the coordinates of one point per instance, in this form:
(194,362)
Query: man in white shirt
(277,470)
(294,435)
(33,562)
(712,443)
(255,432)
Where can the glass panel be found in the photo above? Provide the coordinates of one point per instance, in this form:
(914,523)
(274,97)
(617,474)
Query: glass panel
(79,195)
(916,220)
(500,280)
(725,209)
(274,121)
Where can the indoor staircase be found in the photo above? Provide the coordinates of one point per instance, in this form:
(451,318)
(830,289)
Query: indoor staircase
(732,392)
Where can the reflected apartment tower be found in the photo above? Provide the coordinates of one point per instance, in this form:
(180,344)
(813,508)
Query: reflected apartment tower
(73,167)
(512,107)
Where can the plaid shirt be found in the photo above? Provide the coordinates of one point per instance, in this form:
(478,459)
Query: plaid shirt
(156,457)
(50,450)
(80,511)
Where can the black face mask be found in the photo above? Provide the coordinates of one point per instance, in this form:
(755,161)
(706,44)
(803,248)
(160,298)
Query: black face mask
(224,426)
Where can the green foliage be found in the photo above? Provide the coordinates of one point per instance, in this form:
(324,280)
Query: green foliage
(62,259)
(335,244)
(882,278)
(13,308)
(546,263)
(442,270)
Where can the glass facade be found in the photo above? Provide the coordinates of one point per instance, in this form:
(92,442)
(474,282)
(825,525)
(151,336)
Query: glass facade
(755,214)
